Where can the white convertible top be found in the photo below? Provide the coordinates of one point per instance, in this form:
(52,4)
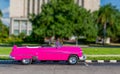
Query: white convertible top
(33,46)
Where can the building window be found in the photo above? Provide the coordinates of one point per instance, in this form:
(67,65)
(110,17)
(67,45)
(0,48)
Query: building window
(16,32)
(16,24)
(30,25)
(23,24)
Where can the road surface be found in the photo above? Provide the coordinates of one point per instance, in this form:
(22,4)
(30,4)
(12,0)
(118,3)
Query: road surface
(59,68)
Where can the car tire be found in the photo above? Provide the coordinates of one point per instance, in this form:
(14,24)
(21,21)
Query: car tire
(26,61)
(73,59)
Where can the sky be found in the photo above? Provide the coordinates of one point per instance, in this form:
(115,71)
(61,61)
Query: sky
(4,7)
(113,2)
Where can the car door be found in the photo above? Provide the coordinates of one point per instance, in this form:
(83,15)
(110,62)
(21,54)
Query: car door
(51,53)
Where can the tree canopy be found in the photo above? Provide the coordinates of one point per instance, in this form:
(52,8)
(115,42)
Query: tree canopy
(0,13)
(63,18)
(107,17)
(3,30)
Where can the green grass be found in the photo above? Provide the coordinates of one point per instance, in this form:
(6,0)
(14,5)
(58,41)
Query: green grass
(88,58)
(4,58)
(87,51)
(101,51)
(104,58)
(5,50)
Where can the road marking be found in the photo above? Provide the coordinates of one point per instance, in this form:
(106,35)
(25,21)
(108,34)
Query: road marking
(113,61)
(100,61)
(88,61)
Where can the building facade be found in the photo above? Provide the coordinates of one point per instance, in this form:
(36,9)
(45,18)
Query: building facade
(20,10)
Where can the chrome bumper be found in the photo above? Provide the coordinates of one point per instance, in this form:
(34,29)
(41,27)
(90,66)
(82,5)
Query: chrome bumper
(82,57)
(11,57)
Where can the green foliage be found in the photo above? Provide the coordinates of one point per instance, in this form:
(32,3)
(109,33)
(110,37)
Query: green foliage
(33,38)
(63,18)
(4,35)
(4,38)
(13,40)
(86,26)
(0,13)
(116,28)
(107,15)
(3,30)
(21,35)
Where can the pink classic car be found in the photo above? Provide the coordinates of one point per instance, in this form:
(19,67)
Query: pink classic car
(27,55)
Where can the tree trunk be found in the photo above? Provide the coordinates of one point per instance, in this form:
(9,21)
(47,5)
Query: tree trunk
(104,33)
(76,41)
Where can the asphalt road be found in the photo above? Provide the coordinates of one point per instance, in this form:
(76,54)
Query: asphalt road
(59,68)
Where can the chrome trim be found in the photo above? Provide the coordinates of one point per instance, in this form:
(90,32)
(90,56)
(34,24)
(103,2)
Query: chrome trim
(11,57)
(82,57)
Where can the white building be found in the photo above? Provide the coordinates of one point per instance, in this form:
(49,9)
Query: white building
(20,9)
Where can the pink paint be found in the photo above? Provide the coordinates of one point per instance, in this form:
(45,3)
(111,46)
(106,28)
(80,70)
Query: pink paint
(46,53)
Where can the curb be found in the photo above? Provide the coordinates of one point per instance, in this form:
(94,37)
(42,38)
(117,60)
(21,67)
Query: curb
(101,61)
(86,61)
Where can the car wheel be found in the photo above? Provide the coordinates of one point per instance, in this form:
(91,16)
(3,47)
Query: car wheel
(26,61)
(73,60)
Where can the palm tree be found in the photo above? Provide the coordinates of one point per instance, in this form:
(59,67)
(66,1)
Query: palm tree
(106,17)
(3,28)
(0,13)
(0,16)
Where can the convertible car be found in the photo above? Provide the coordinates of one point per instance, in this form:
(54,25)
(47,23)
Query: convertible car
(71,54)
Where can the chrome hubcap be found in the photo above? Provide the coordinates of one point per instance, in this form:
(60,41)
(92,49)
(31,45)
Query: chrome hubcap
(73,60)
(26,61)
